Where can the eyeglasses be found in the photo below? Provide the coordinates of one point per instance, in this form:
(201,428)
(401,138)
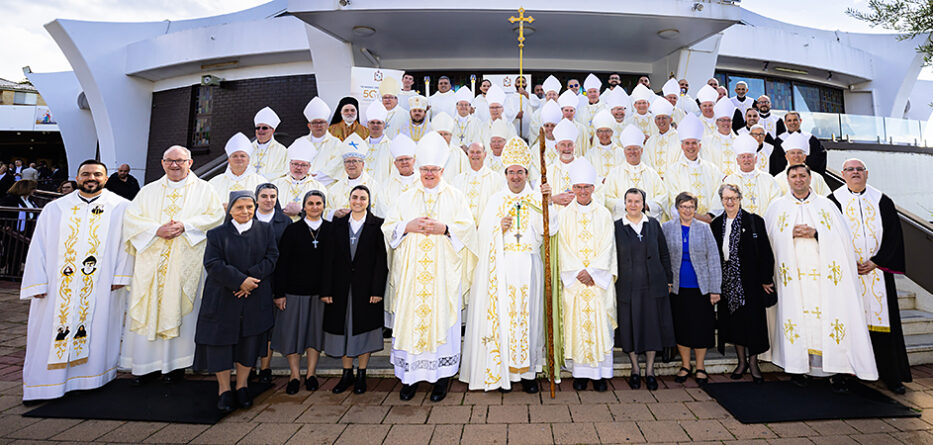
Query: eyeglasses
(756,134)
(731,198)
(299,164)
(263,128)
(854,169)
(430,169)
(352,161)
(573,85)
(175,161)
(686,207)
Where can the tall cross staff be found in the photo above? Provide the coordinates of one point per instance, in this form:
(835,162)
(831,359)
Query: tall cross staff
(521,19)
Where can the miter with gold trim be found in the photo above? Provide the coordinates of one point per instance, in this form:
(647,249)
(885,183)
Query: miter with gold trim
(516,152)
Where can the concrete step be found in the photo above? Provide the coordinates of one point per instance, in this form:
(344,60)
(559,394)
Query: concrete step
(919,348)
(916,322)
(906,300)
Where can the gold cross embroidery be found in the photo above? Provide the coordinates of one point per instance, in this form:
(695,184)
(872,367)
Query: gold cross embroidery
(782,221)
(784,276)
(790,331)
(825,219)
(835,273)
(839,331)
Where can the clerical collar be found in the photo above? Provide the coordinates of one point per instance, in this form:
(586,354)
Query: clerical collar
(741,99)
(802,199)
(765,115)
(263,145)
(585,208)
(373,140)
(87,200)
(629,166)
(176,184)
(296,181)
(242,227)
(850,191)
(724,136)
(433,190)
(408,179)
(694,163)
(355,181)
(317,139)
(265,217)
(707,119)
(606,147)
(314,224)
(462,119)
(749,175)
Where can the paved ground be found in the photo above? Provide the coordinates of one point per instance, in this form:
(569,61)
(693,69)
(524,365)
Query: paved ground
(675,413)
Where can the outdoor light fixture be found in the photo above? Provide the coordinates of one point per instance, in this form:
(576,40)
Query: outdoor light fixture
(790,70)
(529,30)
(363,31)
(668,34)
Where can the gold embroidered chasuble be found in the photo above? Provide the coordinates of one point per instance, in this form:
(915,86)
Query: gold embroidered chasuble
(292,190)
(227,182)
(504,339)
(819,312)
(758,188)
(662,150)
(586,240)
(699,177)
(717,148)
(428,270)
(167,272)
(862,214)
(478,187)
(605,158)
(643,177)
(270,160)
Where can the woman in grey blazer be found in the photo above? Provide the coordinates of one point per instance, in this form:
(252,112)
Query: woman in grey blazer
(697,279)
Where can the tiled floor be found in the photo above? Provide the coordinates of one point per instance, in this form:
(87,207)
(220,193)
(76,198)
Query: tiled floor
(674,413)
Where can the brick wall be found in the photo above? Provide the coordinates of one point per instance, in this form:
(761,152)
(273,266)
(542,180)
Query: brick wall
(234,105)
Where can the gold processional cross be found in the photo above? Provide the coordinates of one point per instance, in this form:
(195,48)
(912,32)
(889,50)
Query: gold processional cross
(521,19)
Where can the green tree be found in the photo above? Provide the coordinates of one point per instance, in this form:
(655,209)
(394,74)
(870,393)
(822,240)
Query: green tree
(911,18)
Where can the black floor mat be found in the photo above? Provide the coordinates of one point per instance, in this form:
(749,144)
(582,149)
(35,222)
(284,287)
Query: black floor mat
(785,402)
(188,401)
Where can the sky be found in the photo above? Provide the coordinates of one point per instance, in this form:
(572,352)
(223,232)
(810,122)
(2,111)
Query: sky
(26,42)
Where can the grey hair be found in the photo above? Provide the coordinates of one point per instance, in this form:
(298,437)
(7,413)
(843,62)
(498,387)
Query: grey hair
(483,146)
(855,159)
(184,150)
(795,113)
(734,188)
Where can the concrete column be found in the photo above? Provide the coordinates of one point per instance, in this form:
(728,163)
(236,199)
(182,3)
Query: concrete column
(696,63)
(60,91)
(332,61)
(120,104)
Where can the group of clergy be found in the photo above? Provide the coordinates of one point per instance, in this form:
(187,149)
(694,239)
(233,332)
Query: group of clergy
(463,203)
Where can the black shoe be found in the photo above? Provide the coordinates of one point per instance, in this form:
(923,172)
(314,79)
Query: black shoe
(386,333)
(530,386)
(634,381)
(243,399)
(580,384)
(140,380)
(839,384)
(311,383)
(701,380)
(440,390)
(651,382)
(899,388)
(504,390)
(682,378)
(800,380)
(737,374)
(265,376)
(408,391)
(293,386)
(173,376)
(225,402)
(345,381)
(253,376)
(758,380)
(600,385)
(360,386)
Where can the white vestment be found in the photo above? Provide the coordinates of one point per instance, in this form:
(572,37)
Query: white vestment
(640,176)
(817,183)
(75,256)
(168,275)
(758,189)
(699,177)
(478,187)
(396,118)
(820,321)
(227,182)
(294,190)
(505,317)
(862,214)
(662,150)
(717,148)
(270,159)
(605,158)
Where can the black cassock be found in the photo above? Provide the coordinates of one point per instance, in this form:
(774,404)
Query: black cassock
(816,160)
(890,352)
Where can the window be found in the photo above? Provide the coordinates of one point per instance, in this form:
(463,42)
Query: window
(831,100)
(780,93)
(24,98)
(756,86)
(204,103)
(806,98)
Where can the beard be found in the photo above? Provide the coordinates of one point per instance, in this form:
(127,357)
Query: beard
(90,187)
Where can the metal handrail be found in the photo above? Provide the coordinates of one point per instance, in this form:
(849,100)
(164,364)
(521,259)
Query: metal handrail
(212,168)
